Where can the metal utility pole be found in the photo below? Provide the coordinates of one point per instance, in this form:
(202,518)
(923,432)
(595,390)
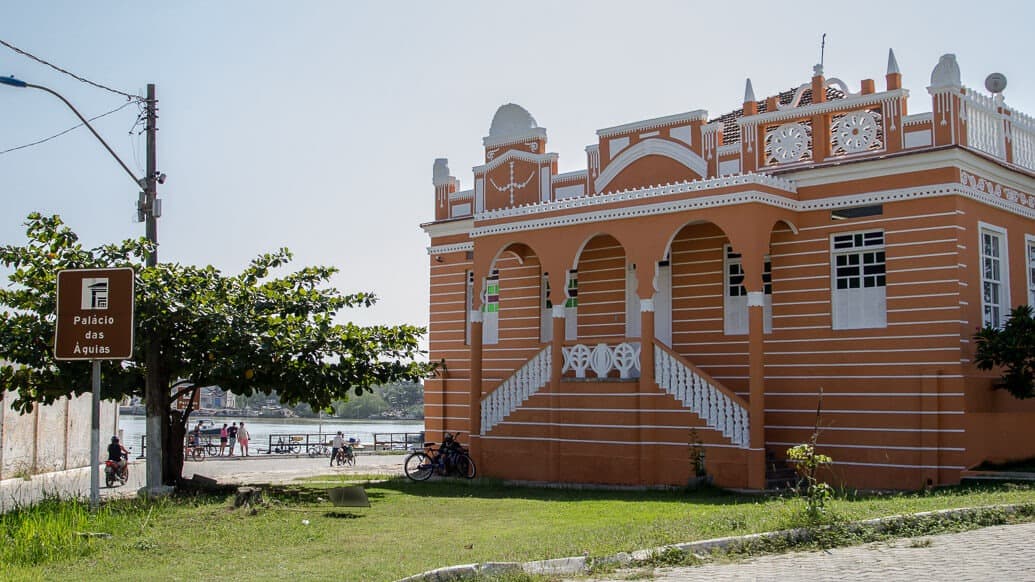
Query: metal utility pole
(154,396)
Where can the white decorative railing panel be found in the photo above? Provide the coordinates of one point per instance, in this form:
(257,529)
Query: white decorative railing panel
(719,411)
(526,381)
(1022,139)
(985,128)
(602,359)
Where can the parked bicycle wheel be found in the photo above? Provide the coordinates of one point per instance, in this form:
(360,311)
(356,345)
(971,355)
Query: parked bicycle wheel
(418,467)
(317,450)
(295,449)
(197,453)
(465,466)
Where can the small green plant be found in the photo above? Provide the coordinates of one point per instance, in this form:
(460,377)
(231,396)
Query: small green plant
(807,462)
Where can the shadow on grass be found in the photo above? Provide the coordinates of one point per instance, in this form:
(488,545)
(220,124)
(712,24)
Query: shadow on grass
(343,515)
(496,489)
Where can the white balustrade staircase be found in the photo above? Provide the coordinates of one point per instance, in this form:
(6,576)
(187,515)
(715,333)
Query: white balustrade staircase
(716,405)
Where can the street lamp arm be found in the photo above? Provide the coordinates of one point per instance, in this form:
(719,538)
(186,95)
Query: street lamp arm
(11,81)
(139,183)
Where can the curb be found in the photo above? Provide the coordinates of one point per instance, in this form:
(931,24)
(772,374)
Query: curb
(581,564)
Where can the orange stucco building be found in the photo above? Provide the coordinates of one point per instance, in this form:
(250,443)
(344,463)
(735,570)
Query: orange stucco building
(715,273)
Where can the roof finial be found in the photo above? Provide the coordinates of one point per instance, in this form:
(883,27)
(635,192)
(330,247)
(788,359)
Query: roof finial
(892,63)
(749,92)
(818,69)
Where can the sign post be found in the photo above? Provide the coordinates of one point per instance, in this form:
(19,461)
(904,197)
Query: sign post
(94,322)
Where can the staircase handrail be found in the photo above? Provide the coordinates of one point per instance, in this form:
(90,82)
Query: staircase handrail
(531,377)
(707,377)
(715,404)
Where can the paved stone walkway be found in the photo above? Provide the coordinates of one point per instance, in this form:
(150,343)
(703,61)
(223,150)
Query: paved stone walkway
(990,554)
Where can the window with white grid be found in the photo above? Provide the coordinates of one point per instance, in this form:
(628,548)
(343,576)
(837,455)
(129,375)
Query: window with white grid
(858,292)
(995,299)
(735,305)
(1030,246)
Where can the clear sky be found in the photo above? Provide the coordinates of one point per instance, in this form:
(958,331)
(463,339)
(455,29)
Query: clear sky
(314,125)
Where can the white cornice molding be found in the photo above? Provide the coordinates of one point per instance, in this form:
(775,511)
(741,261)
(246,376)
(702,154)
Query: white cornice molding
(687,117)
(651,147)
(732,180)
(579,176)
(918,118)
(461,195)
(824,107)
(455,248)
(449,227)
(756,299)
(532,133)
(729,148)
(514,154)
(634,211)
(914,162)
(754,196)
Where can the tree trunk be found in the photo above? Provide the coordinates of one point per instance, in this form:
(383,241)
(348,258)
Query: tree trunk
(172,458)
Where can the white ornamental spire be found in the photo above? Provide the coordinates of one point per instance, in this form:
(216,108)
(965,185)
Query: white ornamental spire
(892,63)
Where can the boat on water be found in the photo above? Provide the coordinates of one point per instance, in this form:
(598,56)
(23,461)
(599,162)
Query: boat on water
(208,426)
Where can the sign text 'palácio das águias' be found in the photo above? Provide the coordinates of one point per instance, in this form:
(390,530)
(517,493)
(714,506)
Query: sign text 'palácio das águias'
(94,314)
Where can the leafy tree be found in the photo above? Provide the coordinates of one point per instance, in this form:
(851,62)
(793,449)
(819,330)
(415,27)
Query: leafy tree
(362,407)
(1011,347)
(249,333)
(403,395)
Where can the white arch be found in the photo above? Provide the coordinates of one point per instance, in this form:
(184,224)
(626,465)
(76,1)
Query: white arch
(652,147)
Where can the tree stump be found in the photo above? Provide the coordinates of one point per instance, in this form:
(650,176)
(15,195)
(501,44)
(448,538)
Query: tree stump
(248,496)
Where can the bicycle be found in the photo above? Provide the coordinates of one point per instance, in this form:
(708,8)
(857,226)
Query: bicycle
(196,451)
(287,446)
(318,450)
(450,458)
(212,449)
(345,456)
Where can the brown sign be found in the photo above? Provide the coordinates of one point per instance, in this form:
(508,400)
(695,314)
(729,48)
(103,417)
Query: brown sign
(94,314)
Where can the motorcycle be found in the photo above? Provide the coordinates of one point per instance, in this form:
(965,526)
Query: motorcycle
(113,474)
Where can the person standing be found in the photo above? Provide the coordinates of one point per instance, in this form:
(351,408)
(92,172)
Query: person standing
(337,443)
(222,439)
(242,437)
(231,435)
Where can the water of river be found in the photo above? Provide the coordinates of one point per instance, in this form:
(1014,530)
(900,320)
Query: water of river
(133,427)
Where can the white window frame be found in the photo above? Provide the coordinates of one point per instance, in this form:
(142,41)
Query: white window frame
(545,310)
(632,302)
(735,307)
(491,310)
(1029,248)
(862,307)
(1004,273)
(468,304)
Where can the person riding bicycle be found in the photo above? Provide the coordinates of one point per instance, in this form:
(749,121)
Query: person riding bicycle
(118,454)
(337,443)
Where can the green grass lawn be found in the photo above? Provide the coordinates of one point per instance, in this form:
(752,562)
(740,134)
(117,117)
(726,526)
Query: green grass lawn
(412,527)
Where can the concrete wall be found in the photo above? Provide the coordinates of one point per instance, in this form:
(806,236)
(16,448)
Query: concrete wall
(50,438)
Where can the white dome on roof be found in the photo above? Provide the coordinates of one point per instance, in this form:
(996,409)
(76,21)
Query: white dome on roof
(511,120)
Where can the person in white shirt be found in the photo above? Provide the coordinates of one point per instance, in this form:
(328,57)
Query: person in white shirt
(337,443)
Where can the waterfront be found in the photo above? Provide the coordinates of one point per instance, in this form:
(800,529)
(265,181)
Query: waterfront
(133,428)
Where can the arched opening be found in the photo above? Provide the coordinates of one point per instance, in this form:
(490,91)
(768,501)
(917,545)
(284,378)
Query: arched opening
(600,286)
(511,297)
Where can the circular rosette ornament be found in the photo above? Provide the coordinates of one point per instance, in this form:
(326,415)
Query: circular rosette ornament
(788,142)
(855,132)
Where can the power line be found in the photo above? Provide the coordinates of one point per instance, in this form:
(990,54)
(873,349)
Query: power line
(70,74)
(73,128)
